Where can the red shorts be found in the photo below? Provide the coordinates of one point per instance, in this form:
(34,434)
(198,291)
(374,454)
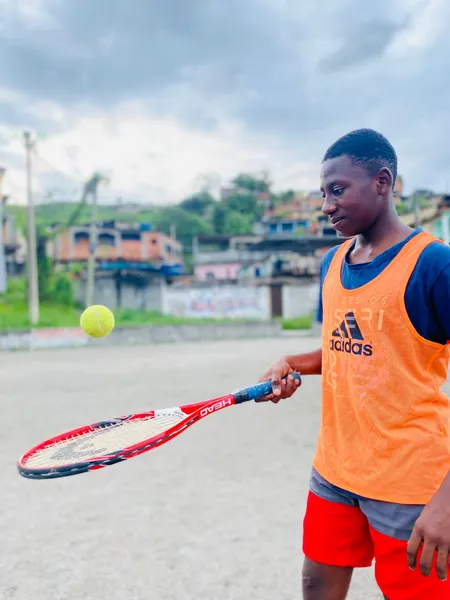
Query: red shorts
(340,535)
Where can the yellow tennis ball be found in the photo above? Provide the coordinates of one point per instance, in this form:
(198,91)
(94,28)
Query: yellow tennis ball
(97,321)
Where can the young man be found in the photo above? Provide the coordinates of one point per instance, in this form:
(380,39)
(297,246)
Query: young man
(380,483)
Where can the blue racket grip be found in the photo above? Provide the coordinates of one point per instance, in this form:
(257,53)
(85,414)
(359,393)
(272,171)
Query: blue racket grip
(260,390)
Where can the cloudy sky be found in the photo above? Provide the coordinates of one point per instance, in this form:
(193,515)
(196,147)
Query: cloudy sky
(165,95)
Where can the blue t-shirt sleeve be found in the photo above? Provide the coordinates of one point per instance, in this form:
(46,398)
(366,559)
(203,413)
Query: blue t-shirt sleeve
(427,297)
(319,313)
(441,301)
(324,266)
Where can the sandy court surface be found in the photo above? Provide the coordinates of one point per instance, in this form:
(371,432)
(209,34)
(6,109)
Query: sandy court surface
(215,514)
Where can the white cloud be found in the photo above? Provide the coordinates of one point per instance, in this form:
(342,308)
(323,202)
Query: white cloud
(424,28)
(158,94)
(32,14)
(154,159)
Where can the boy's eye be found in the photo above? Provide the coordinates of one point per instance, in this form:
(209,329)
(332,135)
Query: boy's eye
(338,191)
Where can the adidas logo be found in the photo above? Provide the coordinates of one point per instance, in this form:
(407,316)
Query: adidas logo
(349,339)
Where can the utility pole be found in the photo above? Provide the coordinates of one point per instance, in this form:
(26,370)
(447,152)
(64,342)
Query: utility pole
(3,276)
(90,280)
(33,286)
(417,215)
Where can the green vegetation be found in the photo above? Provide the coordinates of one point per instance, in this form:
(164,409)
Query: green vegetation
(54,315)
(15,316)
(304,322)
(200,214)
(14,311)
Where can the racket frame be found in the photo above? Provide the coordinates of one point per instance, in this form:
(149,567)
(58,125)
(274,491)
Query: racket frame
(194,413)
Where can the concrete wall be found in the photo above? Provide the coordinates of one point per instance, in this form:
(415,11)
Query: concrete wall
(212,301)
(227,301)
(155,334)
(299,300)
(145,297)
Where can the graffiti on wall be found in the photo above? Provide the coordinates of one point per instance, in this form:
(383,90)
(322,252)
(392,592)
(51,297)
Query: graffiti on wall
(53,337)
(58,337)
(218,302)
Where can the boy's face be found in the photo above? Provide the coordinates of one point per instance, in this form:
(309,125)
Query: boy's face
(353,198)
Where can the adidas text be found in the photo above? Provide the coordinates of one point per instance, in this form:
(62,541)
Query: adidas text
(351,347)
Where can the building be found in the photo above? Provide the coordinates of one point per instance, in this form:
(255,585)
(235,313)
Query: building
(258,257)
(299,205)
(301,214)
(120,245)
(317,225)
(222,257)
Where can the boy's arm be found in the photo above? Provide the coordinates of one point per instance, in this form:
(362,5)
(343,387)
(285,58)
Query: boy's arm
(306,364)
(309,363)
(432,529)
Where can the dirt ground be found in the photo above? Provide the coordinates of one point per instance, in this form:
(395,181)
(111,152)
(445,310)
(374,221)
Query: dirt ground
(215,514)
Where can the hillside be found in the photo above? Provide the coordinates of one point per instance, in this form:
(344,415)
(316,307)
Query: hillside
(201,214)
(196,215)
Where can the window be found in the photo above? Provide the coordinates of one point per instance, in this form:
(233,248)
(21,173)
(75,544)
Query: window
(131,236)
(287,226)
(106,239)
(80,237)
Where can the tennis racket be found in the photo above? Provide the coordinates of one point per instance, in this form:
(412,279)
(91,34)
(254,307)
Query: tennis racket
(106,443)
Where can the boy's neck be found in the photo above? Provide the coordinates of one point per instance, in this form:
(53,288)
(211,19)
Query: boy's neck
(384,234)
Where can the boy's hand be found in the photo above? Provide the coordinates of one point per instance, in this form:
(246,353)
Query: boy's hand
(431,535)
(281,388)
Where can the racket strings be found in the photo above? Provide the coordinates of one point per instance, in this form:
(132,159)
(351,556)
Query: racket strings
(105,441)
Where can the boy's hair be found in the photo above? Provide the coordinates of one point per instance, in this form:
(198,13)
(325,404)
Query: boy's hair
(366,148)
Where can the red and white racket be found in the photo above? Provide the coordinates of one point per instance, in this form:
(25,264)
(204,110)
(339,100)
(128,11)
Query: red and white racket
(109,442)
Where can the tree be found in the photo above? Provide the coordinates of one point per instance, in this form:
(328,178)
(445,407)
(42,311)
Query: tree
(246,204)
(44,263)
(187,225)
(287,196)
(236,224)
(252,184)
(198,203)
(219,217)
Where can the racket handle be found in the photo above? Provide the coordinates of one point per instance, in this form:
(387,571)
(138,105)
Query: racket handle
(260,390)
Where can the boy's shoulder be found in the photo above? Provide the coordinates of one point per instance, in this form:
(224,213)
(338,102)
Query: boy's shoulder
(436,254)
(328,257)
(433,261)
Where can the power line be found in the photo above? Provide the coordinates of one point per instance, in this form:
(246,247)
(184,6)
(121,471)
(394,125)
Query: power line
(56,169)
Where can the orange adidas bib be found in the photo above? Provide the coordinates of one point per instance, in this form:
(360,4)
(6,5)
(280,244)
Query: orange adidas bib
(385,426)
